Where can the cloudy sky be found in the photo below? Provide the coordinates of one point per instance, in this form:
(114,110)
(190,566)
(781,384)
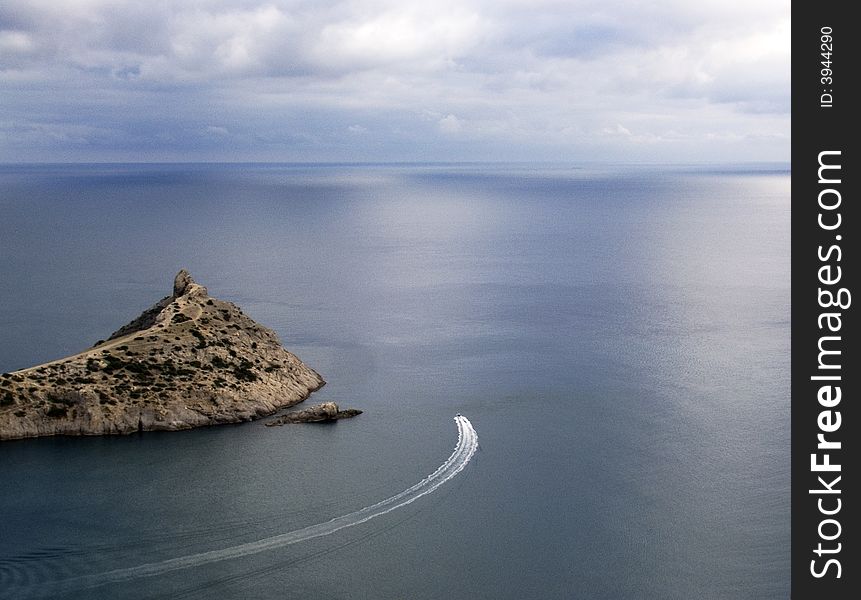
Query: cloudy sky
(394,80)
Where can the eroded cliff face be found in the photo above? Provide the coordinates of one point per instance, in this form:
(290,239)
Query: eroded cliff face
(188,361)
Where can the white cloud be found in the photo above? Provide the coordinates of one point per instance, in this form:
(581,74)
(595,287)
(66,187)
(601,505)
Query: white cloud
(554,75)
(15,42)
(618,130)
(424,35)
(233,41)
(450,124)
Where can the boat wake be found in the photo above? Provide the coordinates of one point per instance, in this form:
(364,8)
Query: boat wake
(467,444)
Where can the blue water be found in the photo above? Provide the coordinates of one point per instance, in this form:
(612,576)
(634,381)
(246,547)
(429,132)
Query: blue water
(618,336)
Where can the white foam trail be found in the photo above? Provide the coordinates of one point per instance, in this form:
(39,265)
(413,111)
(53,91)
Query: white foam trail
(467,444)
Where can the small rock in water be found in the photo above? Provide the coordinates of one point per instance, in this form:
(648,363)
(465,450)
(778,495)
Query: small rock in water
(319,413)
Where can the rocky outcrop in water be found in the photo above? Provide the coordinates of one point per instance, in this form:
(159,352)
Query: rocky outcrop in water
(188,361)
(320,413)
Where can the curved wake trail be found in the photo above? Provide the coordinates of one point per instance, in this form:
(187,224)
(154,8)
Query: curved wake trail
(467,444)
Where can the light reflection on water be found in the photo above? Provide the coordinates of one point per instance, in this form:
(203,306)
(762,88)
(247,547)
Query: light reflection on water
(618,337)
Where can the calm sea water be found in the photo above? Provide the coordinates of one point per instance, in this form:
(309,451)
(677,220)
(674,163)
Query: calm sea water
(619,338)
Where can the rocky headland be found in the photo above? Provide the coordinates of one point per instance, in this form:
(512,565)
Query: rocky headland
(188,361)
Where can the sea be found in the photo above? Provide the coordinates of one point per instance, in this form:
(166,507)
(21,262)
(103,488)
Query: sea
(618,337)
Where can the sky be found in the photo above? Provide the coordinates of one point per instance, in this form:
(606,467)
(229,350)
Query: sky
(382,80)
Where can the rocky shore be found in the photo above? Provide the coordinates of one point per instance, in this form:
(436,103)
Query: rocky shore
(188,361)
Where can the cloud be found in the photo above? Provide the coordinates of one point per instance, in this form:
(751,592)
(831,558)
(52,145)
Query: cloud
(502,78)
(618,130)
(15,42)
(423,36)
(450,124)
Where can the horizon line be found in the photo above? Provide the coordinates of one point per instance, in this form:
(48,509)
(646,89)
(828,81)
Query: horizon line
(572,164)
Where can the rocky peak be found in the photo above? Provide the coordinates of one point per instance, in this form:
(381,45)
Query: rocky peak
(181,282)
(184,284)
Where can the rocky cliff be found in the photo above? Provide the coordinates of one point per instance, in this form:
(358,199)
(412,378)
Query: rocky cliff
(188,361)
